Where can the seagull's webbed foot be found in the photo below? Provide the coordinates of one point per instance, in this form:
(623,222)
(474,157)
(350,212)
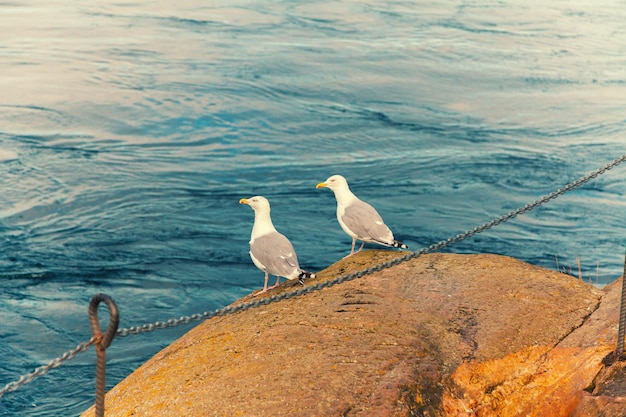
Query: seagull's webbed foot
(275,285)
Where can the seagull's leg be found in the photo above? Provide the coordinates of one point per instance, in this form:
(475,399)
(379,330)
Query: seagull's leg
(264,286)
(277,282)
(362,244)
(352,251)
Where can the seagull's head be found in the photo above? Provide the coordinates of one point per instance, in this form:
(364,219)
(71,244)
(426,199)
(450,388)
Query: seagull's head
(258,203)
(335,183)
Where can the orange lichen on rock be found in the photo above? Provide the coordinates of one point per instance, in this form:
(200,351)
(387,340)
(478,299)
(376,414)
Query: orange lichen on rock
(536,381)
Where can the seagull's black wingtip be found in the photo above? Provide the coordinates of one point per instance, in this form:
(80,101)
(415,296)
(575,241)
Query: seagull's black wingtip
(305,275)
(400,245)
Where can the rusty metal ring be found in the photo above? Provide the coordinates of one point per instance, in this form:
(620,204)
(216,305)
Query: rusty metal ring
(104,340)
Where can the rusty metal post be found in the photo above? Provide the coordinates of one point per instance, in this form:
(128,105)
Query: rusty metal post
(622,317)
(102,341)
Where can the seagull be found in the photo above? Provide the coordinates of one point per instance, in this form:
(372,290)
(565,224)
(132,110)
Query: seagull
(271,251)
(357,218)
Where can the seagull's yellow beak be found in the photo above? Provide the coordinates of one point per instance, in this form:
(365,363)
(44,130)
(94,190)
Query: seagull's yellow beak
(321,185)
(243,201)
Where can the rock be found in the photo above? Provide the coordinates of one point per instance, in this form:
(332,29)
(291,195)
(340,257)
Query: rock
(606,394)
(440,335)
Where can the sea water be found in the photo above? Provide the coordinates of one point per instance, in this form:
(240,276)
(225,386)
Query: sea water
(134,128)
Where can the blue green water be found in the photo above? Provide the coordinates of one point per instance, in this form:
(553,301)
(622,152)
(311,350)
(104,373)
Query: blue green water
(138,126)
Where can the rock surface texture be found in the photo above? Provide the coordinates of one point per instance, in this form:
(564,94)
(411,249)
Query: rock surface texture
(439,335)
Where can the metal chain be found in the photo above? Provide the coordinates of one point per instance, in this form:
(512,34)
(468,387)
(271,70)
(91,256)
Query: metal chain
(376,268)
(320,285)
(166,324)
(42,370)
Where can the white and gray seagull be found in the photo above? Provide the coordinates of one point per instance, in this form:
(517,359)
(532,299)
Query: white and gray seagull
(271,251)
(357,218)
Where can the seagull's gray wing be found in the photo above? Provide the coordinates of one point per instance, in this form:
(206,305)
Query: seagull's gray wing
(364,221)
(276,254)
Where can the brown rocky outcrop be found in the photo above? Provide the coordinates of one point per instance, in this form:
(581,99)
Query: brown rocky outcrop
(440,335)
